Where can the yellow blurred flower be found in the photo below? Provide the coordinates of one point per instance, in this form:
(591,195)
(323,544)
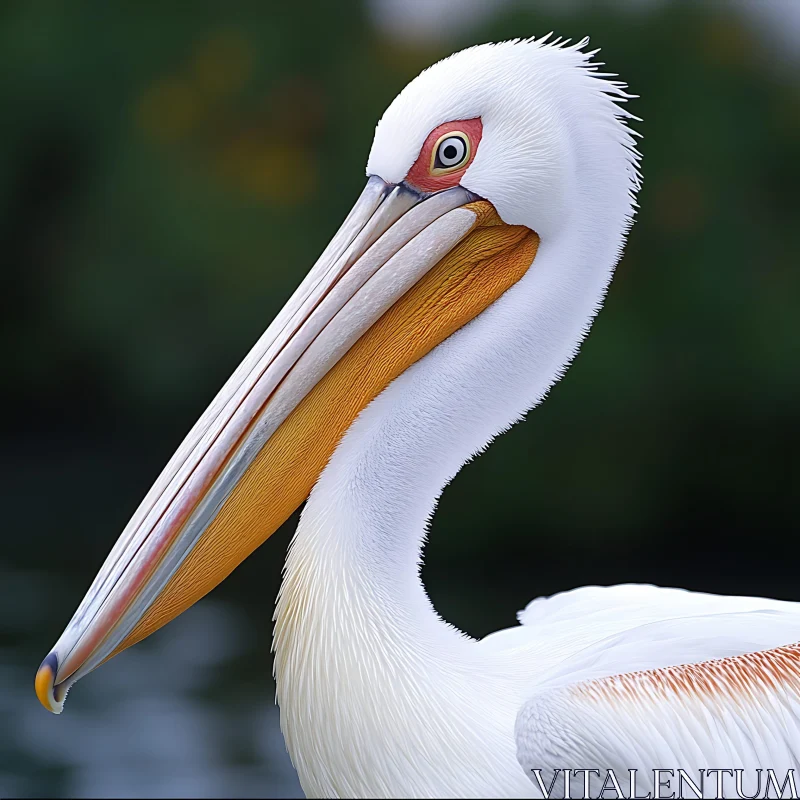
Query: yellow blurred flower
(168,109)
(277,171)
(223,63)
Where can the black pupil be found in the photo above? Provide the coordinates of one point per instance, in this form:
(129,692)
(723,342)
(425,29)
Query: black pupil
(450,152)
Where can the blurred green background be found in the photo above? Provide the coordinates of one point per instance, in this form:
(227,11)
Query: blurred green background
(168,172)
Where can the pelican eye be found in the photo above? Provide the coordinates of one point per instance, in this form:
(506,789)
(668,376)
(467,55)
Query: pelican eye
(451,152)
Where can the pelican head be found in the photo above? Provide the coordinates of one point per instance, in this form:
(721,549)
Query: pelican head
(499,190)
(537,111)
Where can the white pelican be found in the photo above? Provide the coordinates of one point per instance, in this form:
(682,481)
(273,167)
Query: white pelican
(501,186)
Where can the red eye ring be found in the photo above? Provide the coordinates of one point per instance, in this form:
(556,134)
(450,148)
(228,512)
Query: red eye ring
(425,175)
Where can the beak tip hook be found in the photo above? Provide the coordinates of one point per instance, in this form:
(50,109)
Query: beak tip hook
(45,684)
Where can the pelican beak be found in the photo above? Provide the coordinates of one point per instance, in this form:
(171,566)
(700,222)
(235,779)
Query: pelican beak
(404,272)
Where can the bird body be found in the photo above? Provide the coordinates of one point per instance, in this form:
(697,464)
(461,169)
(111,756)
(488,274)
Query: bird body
(501,186)
(420,709)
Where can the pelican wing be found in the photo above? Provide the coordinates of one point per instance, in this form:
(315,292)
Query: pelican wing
(706,683)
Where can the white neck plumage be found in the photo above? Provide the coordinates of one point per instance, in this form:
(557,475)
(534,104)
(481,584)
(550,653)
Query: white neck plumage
(366,670)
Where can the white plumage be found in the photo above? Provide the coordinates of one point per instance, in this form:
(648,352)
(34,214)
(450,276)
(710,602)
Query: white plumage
(378,695)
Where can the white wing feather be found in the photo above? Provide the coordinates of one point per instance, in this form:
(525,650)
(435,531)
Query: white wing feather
(644,678)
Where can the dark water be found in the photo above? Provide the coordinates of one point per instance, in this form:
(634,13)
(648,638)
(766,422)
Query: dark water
(159,721)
